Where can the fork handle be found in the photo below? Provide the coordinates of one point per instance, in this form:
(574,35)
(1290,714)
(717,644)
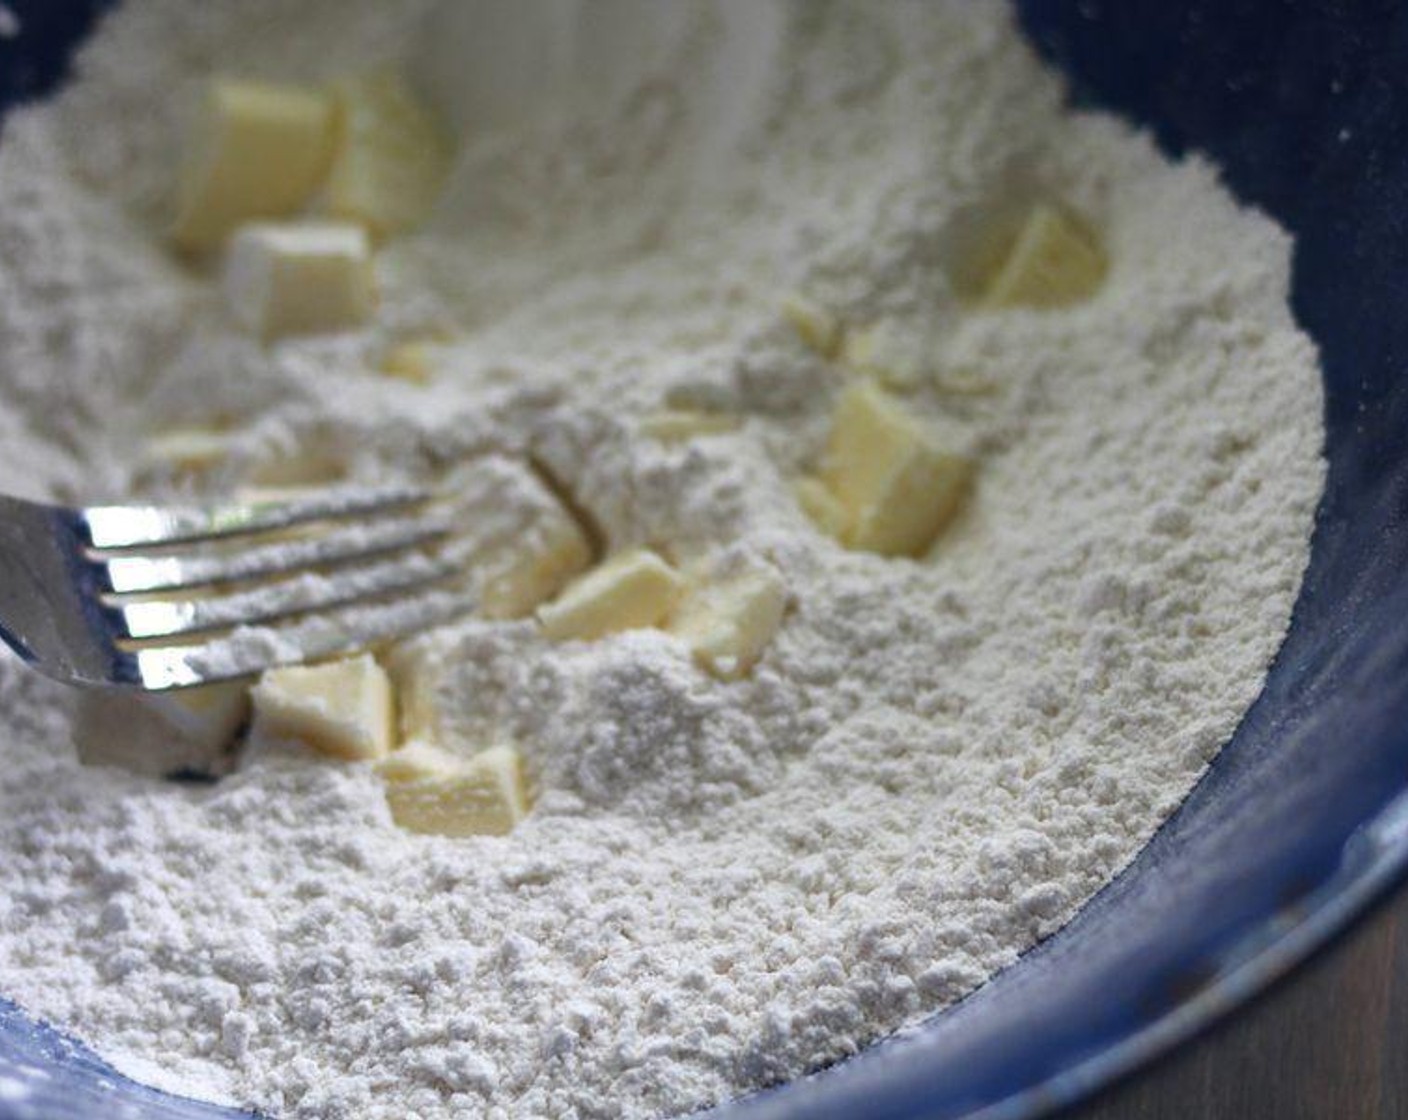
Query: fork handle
(45,615)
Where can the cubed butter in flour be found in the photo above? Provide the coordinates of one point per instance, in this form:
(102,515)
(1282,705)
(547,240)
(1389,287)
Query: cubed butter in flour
(180,733)
(1056,259)
(416,668)
(630,591)
(727,620)
(858,348)
(818,327)
(256,150)
(299,277)
(897,486)
(209,715)
(535,567)
(413,360)
(671,425)
(277,495)
(343,708)
(821,505)
(897,358)
(188,450)
(390,157)
(307,457)
(431,790)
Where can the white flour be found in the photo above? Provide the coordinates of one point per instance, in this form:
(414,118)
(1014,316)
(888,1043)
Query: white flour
(721,885)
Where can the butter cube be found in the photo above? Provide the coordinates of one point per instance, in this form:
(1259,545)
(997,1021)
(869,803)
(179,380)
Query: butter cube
(899,359)
(526,549)
(1055,260)
(299,277)
(341,708)
(817,327)
(189,731)
(256,151)
(277,495)
(416,668)
(898,487)
(209,715)
(301,460)
(902,356)
(430,790)
(858,349)
(821,505)
(727,621)
(631,591)
(537,567)
(390,157)
(674,424)
(187,450)
(412,361)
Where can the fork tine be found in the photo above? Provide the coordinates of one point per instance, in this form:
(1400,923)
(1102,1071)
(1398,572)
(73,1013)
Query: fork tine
(300,595)
(130,527)
(174,667)
(127,574)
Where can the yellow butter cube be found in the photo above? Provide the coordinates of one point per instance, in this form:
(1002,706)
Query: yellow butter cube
(205,718)
(416,669)
(858,349)
(256,150)
(299,277)
(187,731)
(189,450)
(536,567)
(412,361)
(727,621)
(526,549)
(897,486)
(209,715)
(277,495)
(631,591)
(390,157)
(342,708)
(673,424)
(899,359)
(821,505)
(308,460)
(430,790)
(817,327)
(1054,260)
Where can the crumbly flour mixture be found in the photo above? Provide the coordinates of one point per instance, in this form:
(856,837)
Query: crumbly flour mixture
(722,884)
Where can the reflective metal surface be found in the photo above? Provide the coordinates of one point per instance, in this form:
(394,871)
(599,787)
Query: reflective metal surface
(352,568)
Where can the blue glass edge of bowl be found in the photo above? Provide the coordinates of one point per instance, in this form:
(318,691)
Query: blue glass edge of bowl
(36,59)
(1332,881)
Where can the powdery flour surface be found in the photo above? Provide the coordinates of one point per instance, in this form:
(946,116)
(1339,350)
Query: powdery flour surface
(722,885)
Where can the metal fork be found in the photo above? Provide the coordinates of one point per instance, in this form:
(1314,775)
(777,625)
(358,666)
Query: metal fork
(150,598)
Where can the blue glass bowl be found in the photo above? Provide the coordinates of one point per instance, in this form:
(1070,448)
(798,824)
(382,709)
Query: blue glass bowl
(1301,825)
